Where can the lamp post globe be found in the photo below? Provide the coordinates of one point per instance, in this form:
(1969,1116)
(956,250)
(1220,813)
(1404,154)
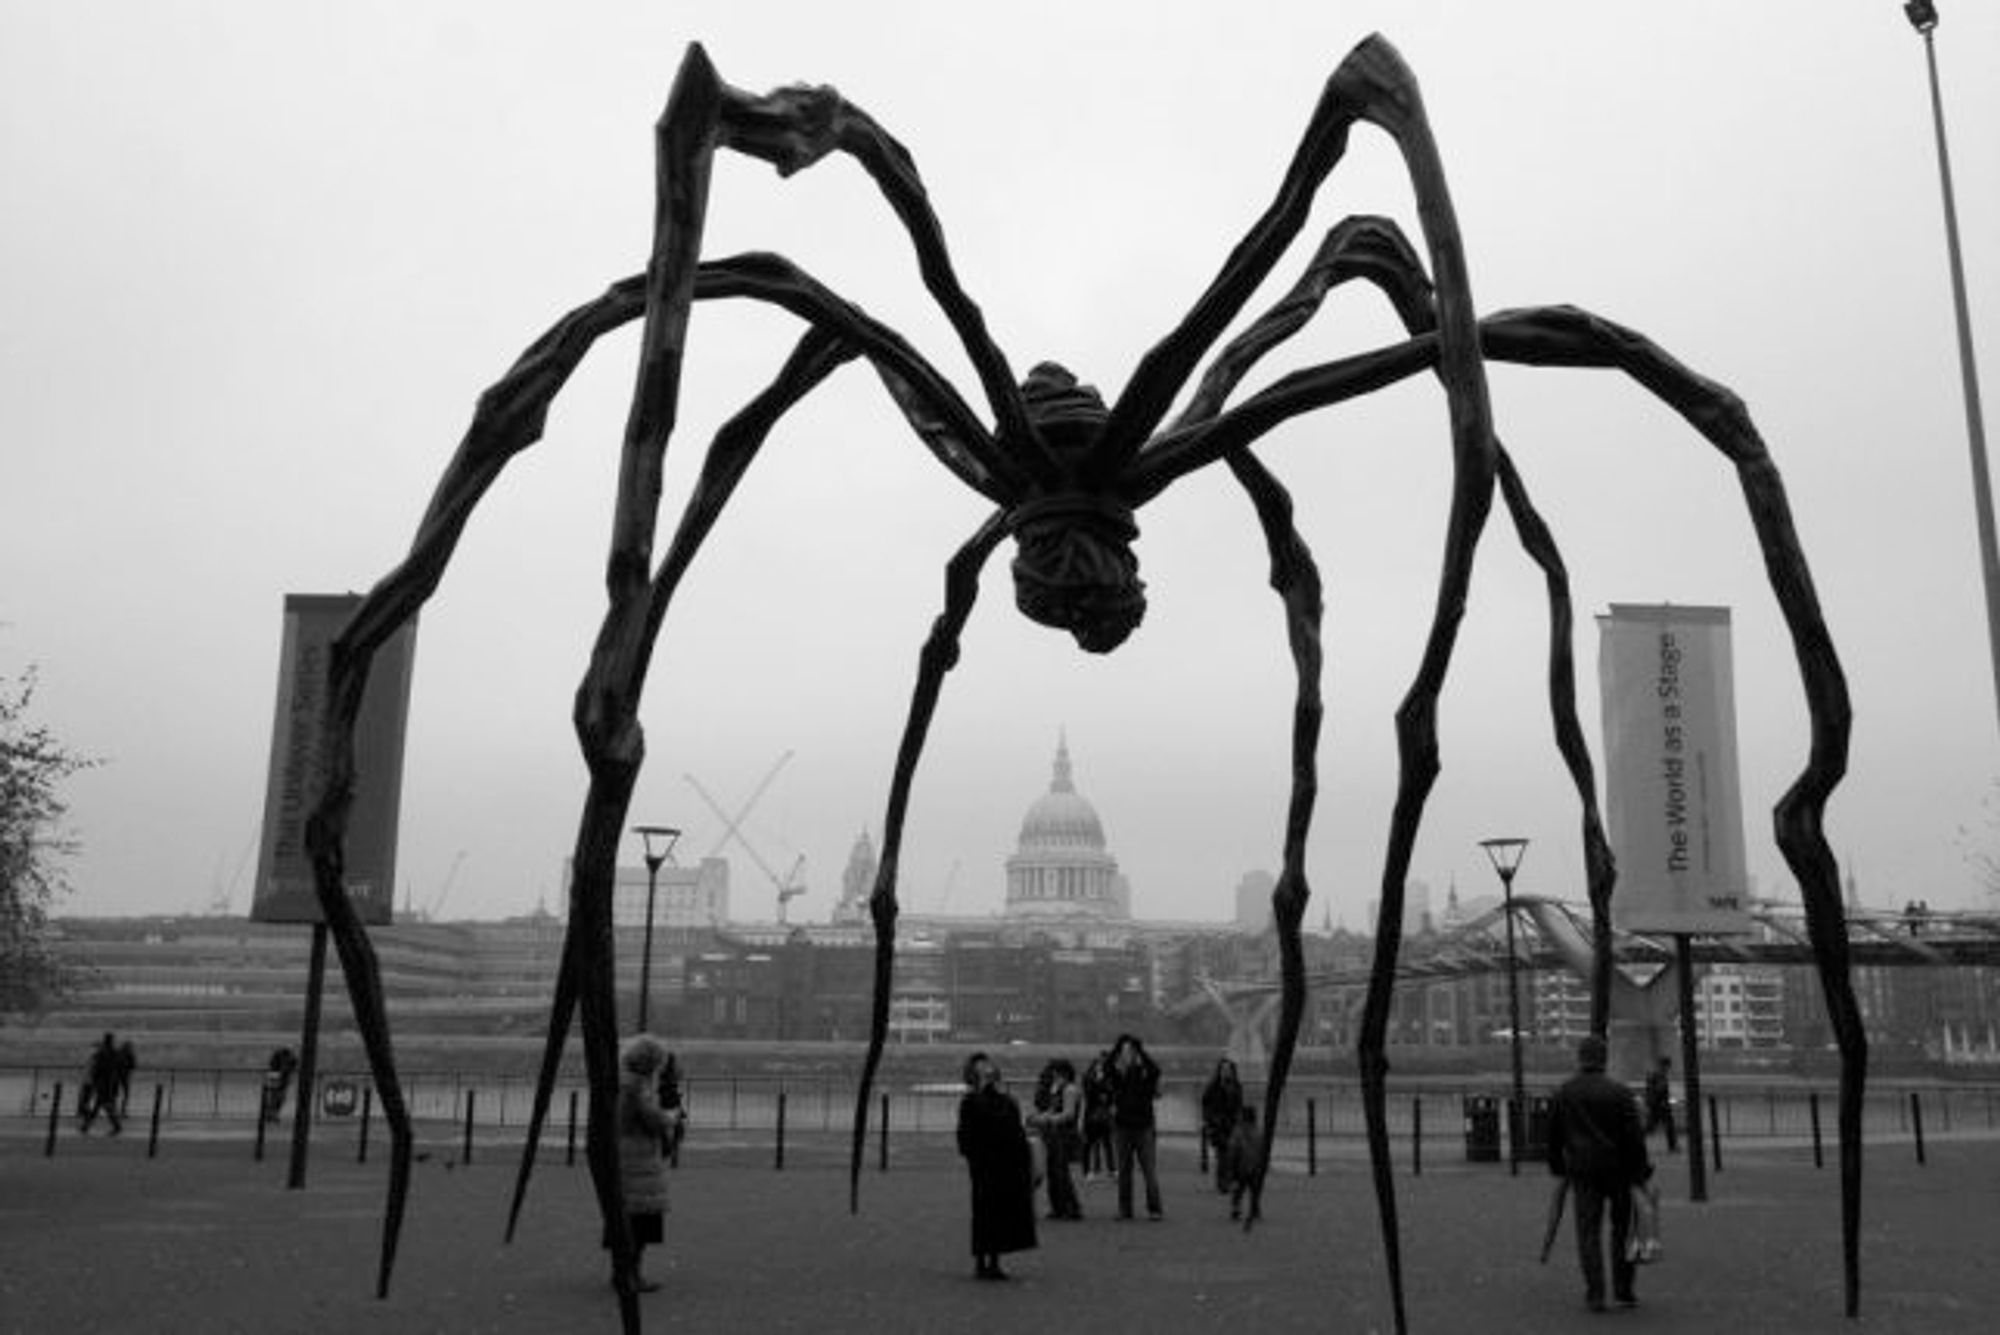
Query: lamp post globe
(659,841)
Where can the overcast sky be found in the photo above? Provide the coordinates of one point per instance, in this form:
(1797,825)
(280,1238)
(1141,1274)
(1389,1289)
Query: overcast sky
(257,262)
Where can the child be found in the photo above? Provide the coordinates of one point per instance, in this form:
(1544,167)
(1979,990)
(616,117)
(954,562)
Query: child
(1245,1160)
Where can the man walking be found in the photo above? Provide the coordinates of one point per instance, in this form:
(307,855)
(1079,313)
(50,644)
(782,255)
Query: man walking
(1595,1141)
(100,1088)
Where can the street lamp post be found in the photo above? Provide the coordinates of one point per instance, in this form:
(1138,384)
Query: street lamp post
(1923,17)
(660,841)
(1505,855)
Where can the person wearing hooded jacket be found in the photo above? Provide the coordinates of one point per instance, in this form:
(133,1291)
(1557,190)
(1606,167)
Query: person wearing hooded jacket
(643,1129)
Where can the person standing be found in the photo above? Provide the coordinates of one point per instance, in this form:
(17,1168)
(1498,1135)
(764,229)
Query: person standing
(100,1087)
(1097,1156)
(995,1146)
(1596,1142)
(1245,1152)
(1060,1123)
(643,1129)
(1660,1101)
(1221,1101)
(277,1081)
(1135,1084)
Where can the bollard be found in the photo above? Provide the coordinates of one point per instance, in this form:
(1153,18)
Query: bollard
(55,1117)
(1312,1137)
(884,1152)
(780,1164)
(1917,1122)
(1819,1153)
(258,1152)
(466,1155)
(569,1155)
(367,1116)
(1714,1134)
(1416,1137)
(153,1136)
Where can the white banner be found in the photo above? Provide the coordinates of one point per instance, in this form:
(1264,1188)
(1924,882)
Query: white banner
(1673,804)
(284,887)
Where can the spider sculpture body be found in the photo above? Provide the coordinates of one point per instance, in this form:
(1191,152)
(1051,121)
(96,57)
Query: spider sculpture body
(1066,473)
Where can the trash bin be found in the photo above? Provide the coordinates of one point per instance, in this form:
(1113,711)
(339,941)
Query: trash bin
(1482,1129)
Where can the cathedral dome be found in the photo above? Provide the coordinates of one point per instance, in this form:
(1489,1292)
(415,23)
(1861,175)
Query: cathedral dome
(1061,867)
(1062,817)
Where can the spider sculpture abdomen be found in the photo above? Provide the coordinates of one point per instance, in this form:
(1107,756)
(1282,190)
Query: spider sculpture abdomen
(1074,568)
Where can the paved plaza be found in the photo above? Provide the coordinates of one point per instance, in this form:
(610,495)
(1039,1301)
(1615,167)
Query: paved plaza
(203,1240)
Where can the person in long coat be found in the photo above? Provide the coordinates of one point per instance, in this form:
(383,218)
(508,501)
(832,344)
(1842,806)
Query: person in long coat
(1595,1141)
(995,1146)
(1221,1107)
(643,1128)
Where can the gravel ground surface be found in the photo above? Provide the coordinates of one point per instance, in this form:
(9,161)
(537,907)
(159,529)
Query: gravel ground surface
(204,1240)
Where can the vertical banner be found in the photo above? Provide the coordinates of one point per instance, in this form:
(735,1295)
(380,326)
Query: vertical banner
(1673,804)
(284,888)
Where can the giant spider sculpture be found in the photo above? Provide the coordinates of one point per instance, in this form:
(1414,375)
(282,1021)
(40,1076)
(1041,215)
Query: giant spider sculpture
(1066,472)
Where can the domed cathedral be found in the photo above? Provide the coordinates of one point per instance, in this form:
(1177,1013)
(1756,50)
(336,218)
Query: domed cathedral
(1061,868)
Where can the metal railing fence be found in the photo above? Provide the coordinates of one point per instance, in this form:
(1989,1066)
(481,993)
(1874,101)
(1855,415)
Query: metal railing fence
(1327,1109)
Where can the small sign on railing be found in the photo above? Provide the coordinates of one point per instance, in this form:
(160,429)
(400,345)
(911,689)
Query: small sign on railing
(339,1098)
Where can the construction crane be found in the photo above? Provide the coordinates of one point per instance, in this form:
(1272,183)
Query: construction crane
(788,886)
(444,888)
(732,824)
(790,889)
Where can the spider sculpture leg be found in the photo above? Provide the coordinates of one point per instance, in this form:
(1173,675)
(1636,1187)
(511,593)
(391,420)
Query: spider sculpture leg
(729,456)
(562,1013)
(1565,336)
(1296,578)
(1376,251)
(1374,85)
(792,129)
(1600,867)
(606,711)
(509,418)
(939,656)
